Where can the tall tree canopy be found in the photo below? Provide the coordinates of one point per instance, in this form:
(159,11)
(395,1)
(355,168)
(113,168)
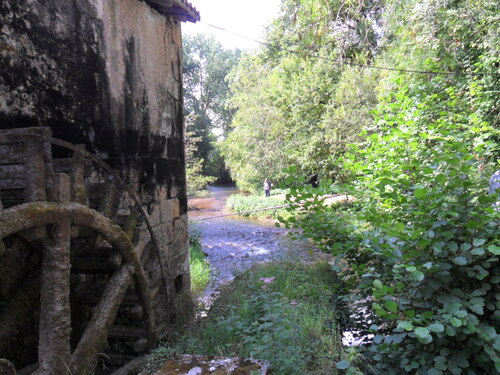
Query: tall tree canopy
(299,103)
(206,64)
(295,106)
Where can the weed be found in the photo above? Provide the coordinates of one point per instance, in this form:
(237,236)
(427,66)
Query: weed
(277,312)
(199,266)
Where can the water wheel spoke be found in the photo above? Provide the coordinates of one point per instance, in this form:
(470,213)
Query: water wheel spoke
(94,338)
(79,193)
(55,311)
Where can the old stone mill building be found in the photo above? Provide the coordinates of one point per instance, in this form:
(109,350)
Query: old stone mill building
(93,225)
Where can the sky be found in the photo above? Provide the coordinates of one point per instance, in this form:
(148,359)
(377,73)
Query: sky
(244,17)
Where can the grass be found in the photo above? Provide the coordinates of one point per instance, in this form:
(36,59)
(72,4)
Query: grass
(242,203)
(278,312)
(199,266)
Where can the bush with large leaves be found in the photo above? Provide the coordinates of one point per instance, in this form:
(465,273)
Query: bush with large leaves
(419,249)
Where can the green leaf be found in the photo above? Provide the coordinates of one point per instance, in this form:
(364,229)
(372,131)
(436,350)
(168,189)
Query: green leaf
(472,224)
(434,371)
(465,246)
(496,344)
(461,261)
(478,242)
(477,251)
(420,193)
(428,314)
(441,178)
(410,313)
(399,227)
(417,276)
(422,332)
(391,306)
(378,284)
(440,362)
(342,365)
(407,326)
(494,249)
(455,322)
(478,309)
(436,327)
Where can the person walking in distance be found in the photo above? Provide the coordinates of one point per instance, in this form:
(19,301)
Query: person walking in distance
(267,187)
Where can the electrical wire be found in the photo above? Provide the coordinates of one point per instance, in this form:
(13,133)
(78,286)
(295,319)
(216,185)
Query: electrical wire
(449,73)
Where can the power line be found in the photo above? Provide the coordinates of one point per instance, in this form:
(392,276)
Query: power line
(347,62)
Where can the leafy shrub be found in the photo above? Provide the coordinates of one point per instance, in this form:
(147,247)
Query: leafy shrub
(419,249)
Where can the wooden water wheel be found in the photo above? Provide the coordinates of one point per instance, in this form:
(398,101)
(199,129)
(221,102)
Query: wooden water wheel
(71,258)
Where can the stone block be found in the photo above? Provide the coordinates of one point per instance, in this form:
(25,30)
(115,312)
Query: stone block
(181,234)
(155,214)
(170,209)
(165,234)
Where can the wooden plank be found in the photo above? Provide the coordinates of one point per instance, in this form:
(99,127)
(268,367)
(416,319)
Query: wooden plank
(55,312)
(79,191)
(35,173)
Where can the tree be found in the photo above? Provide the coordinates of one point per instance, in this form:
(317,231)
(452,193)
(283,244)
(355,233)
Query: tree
(289,99)
(420,246)
(195,179)
(206,65)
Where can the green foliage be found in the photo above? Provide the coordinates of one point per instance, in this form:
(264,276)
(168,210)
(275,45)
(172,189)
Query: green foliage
(276,312)
(418,250)
(296,111)
(205,67)
(198,265)
(242,203)
(422,240)
(196,181)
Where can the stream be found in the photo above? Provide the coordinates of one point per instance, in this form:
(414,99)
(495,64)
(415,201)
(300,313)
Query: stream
(234,243)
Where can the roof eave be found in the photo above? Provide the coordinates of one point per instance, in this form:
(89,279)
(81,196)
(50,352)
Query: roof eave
(178,9)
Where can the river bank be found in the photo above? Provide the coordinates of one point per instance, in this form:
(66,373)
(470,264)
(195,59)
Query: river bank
(269,297)
(233,244)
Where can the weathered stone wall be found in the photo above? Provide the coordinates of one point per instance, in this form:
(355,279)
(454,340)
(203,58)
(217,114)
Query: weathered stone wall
(105,73)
